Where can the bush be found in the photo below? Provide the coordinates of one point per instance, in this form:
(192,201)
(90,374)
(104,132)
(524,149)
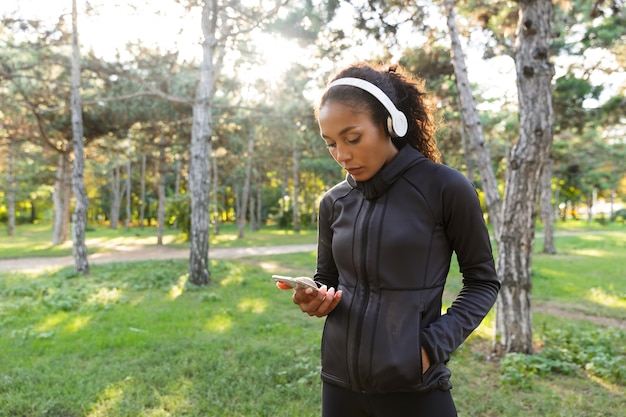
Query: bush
(598,352)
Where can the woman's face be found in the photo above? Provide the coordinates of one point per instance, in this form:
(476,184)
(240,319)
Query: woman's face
(359,145)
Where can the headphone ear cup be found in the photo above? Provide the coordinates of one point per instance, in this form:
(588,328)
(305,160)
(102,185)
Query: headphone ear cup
(390,129)
(397,125)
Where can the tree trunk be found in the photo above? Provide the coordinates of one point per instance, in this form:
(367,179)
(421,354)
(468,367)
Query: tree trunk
(547,210)
(11,193)
(259,205)
(216,208)
(285,196)
(245,193)
(467,154)
(61,200)
(296,184)
(472,122)
(252,210)
(177,188)
(142,209)
(128,190)
(528,156)
(200,149)
(161,190)
(79,218)
(116,197)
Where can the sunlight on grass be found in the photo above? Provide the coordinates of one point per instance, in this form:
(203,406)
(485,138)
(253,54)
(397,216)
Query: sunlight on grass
(77,323)
(178,289)
(105,296)
(486,329)
(552,273)
(224,238)
(51,322)
(270,266)
(175,403)
(605,384)
(109,400)
(254,305)
(233,279)
(591,252)
(598,295)
(219,324)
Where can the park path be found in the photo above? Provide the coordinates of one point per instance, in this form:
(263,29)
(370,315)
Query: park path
(146,253)
(153,252)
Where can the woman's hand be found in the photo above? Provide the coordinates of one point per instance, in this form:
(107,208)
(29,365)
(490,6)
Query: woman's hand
(318,303)
(425,361)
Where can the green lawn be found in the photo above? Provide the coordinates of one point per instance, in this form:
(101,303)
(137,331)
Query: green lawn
(36,240)
(133,339)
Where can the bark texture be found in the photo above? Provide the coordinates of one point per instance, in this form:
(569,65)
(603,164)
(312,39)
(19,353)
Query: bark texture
(116,197)
(61,200)
(472,122)
(142,209)
(11,193)
(527,158)
(200,149)
(295,177)
(79,218)
(547,211)
(245,193)
(161,189)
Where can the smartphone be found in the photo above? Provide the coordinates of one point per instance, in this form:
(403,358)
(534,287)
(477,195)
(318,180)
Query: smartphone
(297,281)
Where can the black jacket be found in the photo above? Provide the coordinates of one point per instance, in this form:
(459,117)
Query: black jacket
(387,244)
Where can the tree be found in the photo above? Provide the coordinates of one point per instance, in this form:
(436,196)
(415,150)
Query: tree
(527,160)
(79,219)
(472,122)
(200,144)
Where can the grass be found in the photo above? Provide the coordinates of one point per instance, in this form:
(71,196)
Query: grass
(35,240)
(588,274)
(134,339)
(126,341)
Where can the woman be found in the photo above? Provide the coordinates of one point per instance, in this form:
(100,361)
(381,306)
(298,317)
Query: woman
(385,241)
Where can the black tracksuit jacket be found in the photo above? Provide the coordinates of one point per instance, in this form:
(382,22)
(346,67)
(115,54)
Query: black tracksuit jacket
(387,244)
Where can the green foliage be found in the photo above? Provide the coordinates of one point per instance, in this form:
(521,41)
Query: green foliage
(178,208)
(569,351)
(135,339)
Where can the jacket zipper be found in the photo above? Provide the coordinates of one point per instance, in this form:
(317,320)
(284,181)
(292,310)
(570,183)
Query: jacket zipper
(363,307)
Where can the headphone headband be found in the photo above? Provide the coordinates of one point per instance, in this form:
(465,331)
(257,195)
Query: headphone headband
(397,123)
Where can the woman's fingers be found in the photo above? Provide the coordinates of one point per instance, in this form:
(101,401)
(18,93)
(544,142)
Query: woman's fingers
(317,303)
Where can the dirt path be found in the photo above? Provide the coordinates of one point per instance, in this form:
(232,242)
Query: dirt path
(145,253)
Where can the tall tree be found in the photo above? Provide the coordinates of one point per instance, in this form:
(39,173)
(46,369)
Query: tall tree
(61,198)
(200,148)
(79,219)
(472,122)
(10,192)
(527,160)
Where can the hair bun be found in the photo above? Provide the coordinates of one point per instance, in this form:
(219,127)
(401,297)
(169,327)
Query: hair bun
(391,68)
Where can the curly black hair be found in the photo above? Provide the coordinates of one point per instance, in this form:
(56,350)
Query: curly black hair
(406,92)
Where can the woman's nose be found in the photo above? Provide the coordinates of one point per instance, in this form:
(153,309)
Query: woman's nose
(342,153)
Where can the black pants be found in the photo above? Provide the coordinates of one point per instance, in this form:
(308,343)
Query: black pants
(340,402)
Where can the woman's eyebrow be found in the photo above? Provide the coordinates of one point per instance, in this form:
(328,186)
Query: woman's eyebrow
(342,131)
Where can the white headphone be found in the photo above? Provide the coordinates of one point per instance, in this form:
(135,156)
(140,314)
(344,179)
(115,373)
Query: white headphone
(397,123)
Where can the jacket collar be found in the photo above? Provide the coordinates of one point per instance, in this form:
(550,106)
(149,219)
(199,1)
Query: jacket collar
(377,185)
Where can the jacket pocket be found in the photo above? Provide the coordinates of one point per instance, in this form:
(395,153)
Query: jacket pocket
(395,359)
(335,343)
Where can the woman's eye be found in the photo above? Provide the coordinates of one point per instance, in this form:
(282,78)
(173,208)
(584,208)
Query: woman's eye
(331,145)
(354,141)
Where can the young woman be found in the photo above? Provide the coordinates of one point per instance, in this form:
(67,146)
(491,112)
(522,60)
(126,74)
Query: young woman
(385,241)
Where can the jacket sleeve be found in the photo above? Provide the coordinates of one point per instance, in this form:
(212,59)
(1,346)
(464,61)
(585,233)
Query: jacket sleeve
(469,238)
(326,272)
